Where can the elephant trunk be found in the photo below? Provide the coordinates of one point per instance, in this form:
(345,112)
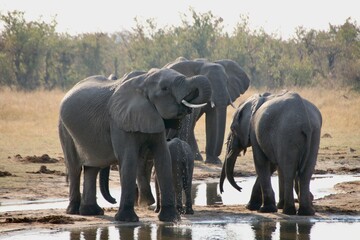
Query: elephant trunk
(104,185)
(233,151)
(193,92)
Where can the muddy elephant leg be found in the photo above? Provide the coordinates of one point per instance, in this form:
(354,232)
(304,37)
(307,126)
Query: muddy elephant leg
(74,168)
(74,191)
(146,197)
(286,181)
(163,169)
(126,210)
(263,170)
(157,190)
(215,130)
(255,202)
(280,204)
(89,205)
(305,199)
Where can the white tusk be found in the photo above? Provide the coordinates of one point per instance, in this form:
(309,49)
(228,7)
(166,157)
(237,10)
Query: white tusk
(193,105)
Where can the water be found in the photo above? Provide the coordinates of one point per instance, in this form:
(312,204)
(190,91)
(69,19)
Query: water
(205,193)
(229,229)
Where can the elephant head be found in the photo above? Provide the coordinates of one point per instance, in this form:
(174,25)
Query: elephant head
(228,81)
(163,96)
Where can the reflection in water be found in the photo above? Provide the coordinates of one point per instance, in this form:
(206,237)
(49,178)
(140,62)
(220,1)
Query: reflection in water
(259,230)
(266,229)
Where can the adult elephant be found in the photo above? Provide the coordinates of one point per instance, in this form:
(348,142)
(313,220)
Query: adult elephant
(228,80)
(104,122)
(284,132)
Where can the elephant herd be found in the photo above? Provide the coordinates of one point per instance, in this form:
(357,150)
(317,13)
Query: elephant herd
(146,120)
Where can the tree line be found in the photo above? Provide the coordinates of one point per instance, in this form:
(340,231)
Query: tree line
(33,55)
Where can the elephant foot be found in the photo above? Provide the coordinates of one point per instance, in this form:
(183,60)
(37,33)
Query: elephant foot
(157,209)
(180,209)
(189,211)
(289,210)
(212,160)
(73,207)
(126,215)
(145,202)
(280,205)
(168,214)
(198,157)
(253,206)
(268,209)
(309,211)
(91,210)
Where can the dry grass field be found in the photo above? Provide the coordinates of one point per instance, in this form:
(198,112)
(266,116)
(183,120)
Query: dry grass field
(28,120)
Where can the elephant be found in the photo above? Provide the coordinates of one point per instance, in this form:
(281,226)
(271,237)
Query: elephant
(284,132)
(228,81)
(104,122)
(182,159)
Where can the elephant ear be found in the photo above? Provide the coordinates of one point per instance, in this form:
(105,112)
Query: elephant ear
(131,110)
(238,81)
(241,124)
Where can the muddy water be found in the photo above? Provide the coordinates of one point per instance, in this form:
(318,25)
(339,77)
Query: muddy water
(206,193)
(215,229)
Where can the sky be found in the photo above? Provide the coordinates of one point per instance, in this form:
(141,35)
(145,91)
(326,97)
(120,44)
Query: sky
(281,17)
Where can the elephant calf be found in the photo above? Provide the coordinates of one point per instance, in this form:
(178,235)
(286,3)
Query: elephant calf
(182,170)
(284,132)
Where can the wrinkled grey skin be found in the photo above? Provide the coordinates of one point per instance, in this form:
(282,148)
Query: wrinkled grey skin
(104,122)
(228,81)
(182,169)
(284,132)
(182,159)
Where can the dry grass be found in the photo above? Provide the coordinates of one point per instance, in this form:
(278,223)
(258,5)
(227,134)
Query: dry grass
(28,121)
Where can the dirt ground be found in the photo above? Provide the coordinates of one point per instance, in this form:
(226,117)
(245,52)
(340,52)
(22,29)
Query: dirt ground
(43,177)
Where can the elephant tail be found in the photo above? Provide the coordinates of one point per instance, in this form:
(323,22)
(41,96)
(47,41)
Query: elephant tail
(104,185)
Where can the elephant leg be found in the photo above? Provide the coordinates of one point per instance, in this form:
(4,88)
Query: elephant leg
(263,170)
(286,185)
(74,190)
(215,130)
(280,204)
(256,197)
(188,201)
(74,168)
(128,172)
(305,200)
(89,205)
(178,186)
(163,169)
(157,190)
(146,197)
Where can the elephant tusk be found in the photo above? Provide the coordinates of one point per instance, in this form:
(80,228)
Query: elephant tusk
(190,105)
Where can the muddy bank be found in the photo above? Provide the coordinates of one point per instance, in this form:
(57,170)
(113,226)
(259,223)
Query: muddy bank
(26,179)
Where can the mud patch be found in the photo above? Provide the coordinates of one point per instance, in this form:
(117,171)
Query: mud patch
(5,174)
(37,159)
(51,219)
(44,170)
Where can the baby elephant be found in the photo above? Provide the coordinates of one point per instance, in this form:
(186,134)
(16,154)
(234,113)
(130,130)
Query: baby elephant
(182,170)
(284,132)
